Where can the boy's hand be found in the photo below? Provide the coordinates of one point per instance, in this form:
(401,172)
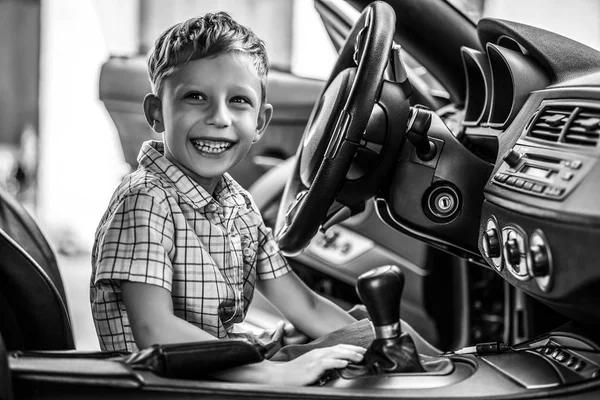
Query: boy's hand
(309,367)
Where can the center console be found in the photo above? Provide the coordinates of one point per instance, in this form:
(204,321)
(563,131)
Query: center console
(557,358)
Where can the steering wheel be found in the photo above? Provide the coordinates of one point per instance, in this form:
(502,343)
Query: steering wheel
(335,128)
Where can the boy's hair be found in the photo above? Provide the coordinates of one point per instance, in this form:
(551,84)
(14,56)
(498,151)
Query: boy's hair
(210,35)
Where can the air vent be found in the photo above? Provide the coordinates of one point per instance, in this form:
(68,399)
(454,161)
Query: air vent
(575,125)
(585,128)
(550,123)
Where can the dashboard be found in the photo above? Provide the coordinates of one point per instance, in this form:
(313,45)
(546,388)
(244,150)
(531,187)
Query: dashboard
(516,187)
(536,96)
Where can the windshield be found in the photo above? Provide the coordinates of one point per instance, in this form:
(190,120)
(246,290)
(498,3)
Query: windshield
(576,19)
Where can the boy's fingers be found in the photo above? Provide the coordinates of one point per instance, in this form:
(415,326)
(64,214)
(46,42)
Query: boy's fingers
(350,347)
(342,352)
(332,363)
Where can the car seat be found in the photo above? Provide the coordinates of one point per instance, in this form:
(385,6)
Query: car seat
(33,310)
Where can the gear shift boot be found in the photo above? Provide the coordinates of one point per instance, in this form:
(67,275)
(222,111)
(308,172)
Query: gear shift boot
(392,351)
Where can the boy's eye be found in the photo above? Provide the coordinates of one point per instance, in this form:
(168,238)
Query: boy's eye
(241,100)
(194,96)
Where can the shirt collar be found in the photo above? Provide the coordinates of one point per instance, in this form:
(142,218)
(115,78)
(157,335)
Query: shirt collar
(227,192)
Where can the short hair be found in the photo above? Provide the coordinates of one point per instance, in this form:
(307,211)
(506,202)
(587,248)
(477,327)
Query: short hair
(207,36)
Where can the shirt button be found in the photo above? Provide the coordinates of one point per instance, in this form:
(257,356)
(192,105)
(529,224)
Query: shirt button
(247,252)
(211,207)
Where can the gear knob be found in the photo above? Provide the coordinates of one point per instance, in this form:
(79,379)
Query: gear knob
(380,290)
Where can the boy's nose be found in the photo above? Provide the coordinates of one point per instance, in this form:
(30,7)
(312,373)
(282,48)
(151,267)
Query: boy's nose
(218,115)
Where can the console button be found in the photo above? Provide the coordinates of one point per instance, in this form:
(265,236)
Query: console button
(538,188)
(572,361)
(501,177)
(560,355)
(579,365)
(553,191)
(528,185)
(511,181)
(575,164)
(555,353)
(567,176)
(519,183)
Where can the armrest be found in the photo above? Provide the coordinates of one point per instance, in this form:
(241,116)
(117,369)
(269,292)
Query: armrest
(195,360)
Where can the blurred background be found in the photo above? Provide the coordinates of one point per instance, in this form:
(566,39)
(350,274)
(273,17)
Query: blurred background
(60,152)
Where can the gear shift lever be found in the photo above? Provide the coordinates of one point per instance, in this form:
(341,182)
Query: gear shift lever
(380,290)
(392,351)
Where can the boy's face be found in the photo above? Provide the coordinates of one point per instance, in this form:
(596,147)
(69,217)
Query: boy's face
(210,114)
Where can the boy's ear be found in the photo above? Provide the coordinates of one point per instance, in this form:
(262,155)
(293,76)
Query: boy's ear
(153,112)
(264,117)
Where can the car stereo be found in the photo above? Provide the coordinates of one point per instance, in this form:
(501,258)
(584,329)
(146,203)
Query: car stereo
(542,172)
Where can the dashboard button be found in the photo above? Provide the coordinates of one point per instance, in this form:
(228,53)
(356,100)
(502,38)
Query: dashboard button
(501,177)
(575,164)
(553,191)
(562,357)
(567,176)
(555,353)
(579,365)
(538,188)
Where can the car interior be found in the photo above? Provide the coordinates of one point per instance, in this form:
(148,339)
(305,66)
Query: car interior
(468,213)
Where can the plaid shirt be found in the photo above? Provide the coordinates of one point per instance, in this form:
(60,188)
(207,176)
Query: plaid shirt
(161,228)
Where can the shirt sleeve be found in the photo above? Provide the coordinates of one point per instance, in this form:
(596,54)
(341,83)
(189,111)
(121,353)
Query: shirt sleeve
(136,245)
(270,261)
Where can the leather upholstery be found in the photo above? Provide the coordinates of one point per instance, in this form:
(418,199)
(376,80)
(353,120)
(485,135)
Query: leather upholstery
(33,311)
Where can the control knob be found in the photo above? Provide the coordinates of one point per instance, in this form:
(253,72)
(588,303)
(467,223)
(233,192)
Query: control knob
(540,263)
(512,253)
(512,158)
(491,243)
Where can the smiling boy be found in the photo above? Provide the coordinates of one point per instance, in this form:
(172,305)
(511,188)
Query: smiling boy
(182,246)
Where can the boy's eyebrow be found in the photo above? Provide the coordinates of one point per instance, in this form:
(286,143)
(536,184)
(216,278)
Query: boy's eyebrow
(197,86)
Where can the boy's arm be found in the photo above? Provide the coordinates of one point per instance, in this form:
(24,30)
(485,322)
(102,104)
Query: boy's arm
(150,312)
(308,311)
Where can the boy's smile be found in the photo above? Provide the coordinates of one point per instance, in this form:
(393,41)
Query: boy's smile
(210,113)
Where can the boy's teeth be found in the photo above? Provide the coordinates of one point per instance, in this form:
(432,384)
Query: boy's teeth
(211,146)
